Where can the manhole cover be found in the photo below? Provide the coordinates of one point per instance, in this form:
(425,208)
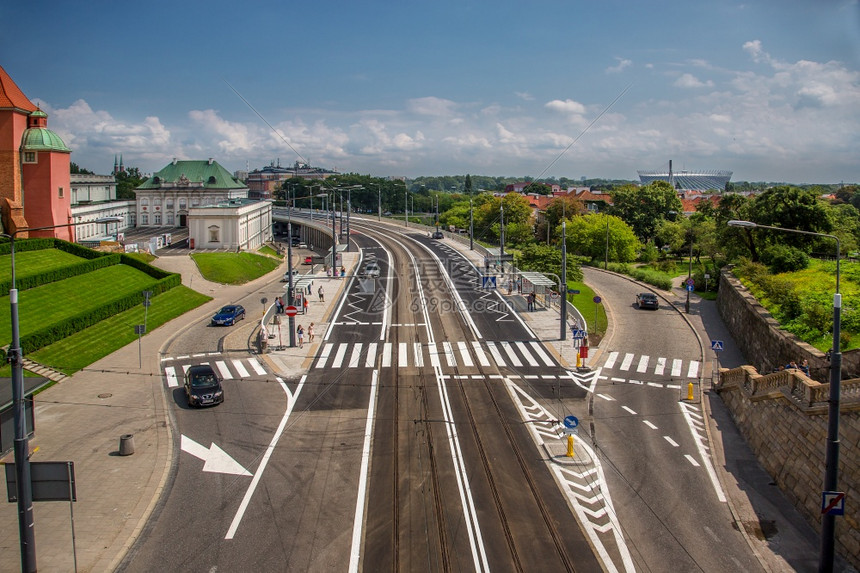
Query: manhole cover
(105,395)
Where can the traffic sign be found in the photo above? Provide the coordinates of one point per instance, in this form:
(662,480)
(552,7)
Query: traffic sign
(833,503)
(579,333)
(690,281)
(596,300)
(690,288)
(716,345)
(291,311)
(488,282)
(572,291)
(570,422)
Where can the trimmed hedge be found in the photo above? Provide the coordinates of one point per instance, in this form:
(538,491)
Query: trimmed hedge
(41,338)
(33,341)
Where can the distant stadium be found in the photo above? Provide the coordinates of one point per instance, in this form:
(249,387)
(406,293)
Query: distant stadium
(693,180)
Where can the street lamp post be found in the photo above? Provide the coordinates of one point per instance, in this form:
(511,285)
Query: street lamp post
(831,462)
(26,528)
(471,228)
(379,201)
(689,271)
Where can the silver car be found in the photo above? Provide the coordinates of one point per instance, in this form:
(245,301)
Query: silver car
(371,270)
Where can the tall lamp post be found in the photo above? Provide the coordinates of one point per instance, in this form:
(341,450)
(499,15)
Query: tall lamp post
(689,271)
(831,463)
(15,357)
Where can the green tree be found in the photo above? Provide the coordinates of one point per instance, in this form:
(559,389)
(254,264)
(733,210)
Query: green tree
(467,185)
(127,181)
(642,207)
(587,236)
(537,188)
(558,209)
(74,168)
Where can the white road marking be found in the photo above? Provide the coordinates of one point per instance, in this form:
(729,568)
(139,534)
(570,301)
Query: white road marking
(509,350)
(649,424)
(660,366)
(692,460)
(526,354)
(541,354)
(693,370)
(215,459)
(326,351)
(402,357)
(356,355)
(497,356)
(610,360)
(449,354)
(240,368)
(643,363)
(337,362)
(434,357)
(370,359)
(172,380)
(629,410)
(258,368)
(479,352)
(222,368)
(671,441)
(386,355)
(419,354)
(605,397)
(676,367)
(363,477)
(464,354)
(628,359)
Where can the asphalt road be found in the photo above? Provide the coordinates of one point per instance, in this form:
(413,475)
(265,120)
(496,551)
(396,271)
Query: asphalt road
(424,435)
(653,441)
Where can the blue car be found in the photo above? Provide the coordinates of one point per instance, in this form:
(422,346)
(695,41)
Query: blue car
(228,315)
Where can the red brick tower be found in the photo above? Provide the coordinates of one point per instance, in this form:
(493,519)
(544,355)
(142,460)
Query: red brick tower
(46,180)
(15,109)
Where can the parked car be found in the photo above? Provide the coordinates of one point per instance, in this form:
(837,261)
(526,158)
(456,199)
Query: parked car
(296,241)
(371,270)
(228,315)
(647,300)
(438,235)
(309,260)
(203,386)
(287,276)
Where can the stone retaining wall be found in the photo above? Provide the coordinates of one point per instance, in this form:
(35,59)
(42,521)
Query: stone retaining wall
(783,415)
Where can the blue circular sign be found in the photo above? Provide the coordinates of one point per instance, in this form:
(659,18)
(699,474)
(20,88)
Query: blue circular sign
(571,422)
(596,299)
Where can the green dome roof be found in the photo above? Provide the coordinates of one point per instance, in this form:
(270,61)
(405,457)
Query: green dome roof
(42,139)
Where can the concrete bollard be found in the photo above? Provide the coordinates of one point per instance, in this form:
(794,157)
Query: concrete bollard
(126,444)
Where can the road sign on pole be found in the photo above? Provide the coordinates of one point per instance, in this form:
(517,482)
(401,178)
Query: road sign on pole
(716,345)
(291,311)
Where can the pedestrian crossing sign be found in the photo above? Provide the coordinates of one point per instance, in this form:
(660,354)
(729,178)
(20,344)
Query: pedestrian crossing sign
(716,345)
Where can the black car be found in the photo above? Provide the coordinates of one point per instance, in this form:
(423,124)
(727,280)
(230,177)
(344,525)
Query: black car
(438,235)
(228,315)
(647,300)
(202,386)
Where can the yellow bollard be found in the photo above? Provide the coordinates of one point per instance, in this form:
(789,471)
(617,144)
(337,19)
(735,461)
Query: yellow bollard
(690,391)
(578,360)
(570,445)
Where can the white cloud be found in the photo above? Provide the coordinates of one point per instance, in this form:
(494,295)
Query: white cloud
(524,96)
(622,64)
(432,106)
(691,81)
(567,106)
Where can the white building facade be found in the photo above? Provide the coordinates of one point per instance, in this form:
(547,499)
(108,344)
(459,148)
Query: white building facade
(233,225)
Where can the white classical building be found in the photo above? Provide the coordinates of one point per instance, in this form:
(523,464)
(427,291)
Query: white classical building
(166,198)
(234,224)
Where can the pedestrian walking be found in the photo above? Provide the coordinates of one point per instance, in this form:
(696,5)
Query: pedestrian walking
(321,294)
(311,332)
(305,304)
(531,301)
(519,285)
(301,334)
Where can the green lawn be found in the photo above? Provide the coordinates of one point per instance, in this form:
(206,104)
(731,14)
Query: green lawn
(233,268)
(42,306)
(35,262)
(83,348)
(584,302)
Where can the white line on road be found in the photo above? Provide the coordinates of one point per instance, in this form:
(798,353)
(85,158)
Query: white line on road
(361,502)
(629,410)
(692,460)
(671,441)
(172,381)
(291,401)
(649,424)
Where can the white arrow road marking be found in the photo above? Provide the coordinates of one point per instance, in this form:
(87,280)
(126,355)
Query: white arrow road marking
(216,460)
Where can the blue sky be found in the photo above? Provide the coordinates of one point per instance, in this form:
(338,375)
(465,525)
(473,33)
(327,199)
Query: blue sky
(768,89)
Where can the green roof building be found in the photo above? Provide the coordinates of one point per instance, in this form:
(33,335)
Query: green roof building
(164,199)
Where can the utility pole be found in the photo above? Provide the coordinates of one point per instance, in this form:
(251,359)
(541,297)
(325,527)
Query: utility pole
(471,228)
(563,293)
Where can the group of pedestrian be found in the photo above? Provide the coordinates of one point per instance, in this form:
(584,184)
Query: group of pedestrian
(793,365)
(300,333)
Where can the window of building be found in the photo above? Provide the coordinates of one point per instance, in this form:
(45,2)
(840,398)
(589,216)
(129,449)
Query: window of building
(144,219)
(170,218)
(60,193)
(213,234)
(144,202)
(29,157)
(182,204)
(156,219)
(169,202)
(156,201)
(195,202)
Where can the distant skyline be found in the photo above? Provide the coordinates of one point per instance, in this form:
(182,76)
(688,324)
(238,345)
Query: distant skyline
(767,89)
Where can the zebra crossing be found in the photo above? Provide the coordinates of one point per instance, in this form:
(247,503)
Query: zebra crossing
(661,366)
(468,354)
(227,368)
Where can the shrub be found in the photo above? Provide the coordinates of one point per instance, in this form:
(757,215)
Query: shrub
(784,259)
(649,254)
